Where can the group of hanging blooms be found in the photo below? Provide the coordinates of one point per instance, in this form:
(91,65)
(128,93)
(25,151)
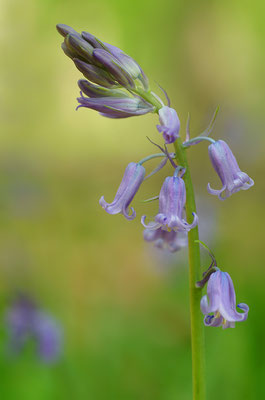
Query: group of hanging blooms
(117,87)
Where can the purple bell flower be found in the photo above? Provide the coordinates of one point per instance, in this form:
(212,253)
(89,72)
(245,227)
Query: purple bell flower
(165,240)
(26,322)
(172,200)
(170,124)
(226,166)
(222,302)
(131,181)
(116,107)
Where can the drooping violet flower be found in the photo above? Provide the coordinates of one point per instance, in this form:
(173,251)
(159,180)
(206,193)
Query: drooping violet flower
(131,181)
(165,240)
(226,166)
(116,107)
(222,302)
(172,198)
(170,124)
(25,321)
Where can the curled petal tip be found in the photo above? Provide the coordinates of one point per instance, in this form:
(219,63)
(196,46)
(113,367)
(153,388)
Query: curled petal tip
(102,202)
(215,191)
(129,214)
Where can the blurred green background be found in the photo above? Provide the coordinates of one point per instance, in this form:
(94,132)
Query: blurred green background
(124,306)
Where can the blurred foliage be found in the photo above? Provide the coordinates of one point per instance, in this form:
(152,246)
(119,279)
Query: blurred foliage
(122,305)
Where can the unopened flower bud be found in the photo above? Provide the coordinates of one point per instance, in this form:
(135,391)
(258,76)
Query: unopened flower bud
(115,107)
(64,30)
(69,53)
(80,46)
(95,42)
(94,74)
(169,124)
(128,62)
(91,90)
(112,64)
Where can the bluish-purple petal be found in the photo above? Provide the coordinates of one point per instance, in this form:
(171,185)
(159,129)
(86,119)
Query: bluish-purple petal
(131,181)
(226,166)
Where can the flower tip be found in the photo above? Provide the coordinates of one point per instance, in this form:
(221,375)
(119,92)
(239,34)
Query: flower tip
(64,30)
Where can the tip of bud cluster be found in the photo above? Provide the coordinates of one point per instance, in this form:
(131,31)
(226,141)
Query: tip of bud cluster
(115,64)
(64,30)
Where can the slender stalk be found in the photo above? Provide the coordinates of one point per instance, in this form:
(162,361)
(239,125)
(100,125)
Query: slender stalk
(197,331)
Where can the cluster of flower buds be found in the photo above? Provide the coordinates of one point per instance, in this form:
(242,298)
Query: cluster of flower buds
(108,71)
(26,322)
(115,84)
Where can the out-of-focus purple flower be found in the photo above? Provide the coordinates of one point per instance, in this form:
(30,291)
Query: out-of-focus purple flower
(25,322)
(48,334)
(222,302)
(165,240)
(172,200)
(226,166)
(116,107)
(131,181)
(170,124)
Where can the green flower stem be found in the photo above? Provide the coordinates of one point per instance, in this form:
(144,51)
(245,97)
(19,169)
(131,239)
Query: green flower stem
(197,329)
